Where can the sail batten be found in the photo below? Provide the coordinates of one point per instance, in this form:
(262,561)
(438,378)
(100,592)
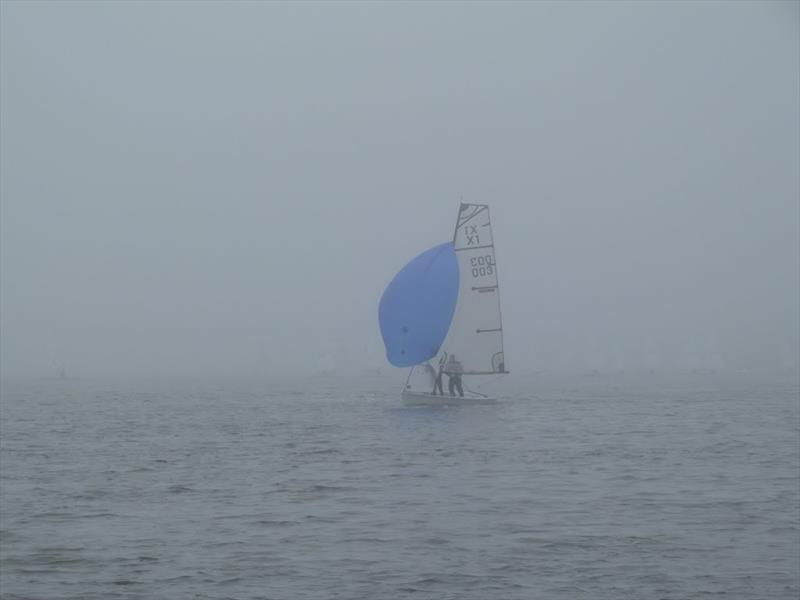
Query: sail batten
(475,248)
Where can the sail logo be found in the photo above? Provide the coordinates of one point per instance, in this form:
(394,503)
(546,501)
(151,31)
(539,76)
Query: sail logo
(472,235)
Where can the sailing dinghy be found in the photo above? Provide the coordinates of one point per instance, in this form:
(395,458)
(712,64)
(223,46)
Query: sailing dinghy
(444,305)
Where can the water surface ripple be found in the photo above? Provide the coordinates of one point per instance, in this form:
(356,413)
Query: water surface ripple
(584,487)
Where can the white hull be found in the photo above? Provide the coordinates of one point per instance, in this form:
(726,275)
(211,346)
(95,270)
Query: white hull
(421,399)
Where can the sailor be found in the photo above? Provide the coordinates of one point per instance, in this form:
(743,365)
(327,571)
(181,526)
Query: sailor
(454,370)
(431,373)
(437,378)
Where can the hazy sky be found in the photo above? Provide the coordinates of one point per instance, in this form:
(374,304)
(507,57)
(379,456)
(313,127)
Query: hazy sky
(228,187)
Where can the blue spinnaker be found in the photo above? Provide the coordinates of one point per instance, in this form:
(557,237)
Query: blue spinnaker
(417,306)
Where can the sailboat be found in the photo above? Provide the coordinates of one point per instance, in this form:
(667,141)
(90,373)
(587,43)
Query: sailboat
(443,308)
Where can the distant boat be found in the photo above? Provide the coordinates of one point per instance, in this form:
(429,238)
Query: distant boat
(326,365)
(60,375)
(441,312)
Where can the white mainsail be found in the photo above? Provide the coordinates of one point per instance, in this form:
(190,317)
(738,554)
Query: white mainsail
(475,336)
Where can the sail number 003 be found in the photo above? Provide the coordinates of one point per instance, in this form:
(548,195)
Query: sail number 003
(482,265)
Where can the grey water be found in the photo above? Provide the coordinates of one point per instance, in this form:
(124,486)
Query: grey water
(649,486)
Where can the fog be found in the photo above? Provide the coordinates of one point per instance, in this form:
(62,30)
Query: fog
(227,188)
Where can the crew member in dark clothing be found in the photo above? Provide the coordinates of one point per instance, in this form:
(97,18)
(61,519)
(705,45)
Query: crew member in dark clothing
(454,370)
